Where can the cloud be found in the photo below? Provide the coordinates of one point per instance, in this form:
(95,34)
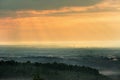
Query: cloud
(109,4)
(52,8)
(43,4)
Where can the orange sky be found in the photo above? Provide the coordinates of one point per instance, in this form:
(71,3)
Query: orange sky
(39,26)
(74,27)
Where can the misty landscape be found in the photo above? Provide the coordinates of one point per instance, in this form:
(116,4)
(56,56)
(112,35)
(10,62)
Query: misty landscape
(59,39)
(27,62)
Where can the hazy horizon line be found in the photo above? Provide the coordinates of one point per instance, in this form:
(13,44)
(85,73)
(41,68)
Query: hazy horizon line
(67,44)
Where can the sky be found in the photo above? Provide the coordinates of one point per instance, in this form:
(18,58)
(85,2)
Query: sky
(83,21)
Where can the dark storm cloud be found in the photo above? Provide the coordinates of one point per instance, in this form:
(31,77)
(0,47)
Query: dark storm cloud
(43,4)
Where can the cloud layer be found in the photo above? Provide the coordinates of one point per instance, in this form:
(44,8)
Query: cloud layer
(43,4)
(38,8)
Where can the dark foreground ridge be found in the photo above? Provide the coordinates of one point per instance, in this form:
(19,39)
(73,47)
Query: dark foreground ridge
(48,71)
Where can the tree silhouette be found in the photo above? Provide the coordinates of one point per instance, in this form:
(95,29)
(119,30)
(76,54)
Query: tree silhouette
(37,77)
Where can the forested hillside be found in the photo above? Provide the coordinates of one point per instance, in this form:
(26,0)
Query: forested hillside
(48,71)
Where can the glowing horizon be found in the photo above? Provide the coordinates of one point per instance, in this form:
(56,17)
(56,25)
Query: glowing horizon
(68,44)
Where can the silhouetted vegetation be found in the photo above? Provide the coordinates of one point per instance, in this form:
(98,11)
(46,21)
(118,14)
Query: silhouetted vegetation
(37,77)
(48,71)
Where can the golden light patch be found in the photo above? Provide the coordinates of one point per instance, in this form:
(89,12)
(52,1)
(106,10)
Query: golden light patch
(102,26)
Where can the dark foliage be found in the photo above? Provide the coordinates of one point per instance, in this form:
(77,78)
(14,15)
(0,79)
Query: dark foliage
(48,71)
